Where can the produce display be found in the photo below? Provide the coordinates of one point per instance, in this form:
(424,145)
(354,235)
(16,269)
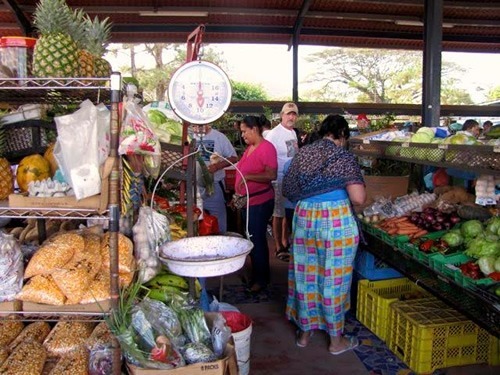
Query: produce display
(166,335)
(68,347)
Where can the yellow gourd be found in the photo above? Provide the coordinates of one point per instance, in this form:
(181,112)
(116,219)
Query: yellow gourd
(32,168)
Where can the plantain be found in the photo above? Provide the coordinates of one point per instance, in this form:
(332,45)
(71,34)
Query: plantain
(168,280)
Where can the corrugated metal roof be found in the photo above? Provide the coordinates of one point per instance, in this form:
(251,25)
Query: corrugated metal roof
(469,25)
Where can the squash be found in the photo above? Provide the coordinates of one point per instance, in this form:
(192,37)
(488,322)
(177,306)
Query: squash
(32,168)
(49,155)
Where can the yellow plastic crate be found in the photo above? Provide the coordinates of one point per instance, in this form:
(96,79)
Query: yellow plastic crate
(374,298)
(428,335)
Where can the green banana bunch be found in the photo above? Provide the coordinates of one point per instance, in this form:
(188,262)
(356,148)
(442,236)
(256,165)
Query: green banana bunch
(162,279)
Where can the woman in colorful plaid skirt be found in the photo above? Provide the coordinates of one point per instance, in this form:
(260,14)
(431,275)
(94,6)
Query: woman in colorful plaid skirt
(323,179)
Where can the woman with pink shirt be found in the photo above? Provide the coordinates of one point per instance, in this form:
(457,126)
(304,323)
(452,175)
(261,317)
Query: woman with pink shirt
(258,165)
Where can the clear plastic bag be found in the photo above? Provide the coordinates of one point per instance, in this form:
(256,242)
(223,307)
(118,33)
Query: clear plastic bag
(149,231)
(101,360)
(163,320)
(77,151)
(221,334)
(11,267)
(137,137)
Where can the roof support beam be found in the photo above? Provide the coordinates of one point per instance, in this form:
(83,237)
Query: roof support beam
(295,53)
(21,19)
(431,84)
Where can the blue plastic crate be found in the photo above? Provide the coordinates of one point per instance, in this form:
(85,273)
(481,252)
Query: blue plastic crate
(372,268)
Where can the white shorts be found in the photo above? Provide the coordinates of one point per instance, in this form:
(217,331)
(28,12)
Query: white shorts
(279,200)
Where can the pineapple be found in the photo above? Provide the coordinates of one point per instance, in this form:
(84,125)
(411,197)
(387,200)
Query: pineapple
(78,32)
(56,53)
(98,34)
(6,176)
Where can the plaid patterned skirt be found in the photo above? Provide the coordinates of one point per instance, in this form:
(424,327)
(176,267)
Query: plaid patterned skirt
(325,240)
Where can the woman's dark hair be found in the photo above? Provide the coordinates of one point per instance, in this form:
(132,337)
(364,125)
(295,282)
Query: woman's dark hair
(336,125)
(255,122)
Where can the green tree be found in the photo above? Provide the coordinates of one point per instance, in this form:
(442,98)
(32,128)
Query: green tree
(167,58)
(494,93)
(245,91)
(379,76)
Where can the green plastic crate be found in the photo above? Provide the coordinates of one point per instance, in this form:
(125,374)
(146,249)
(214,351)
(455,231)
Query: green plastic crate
(446,264)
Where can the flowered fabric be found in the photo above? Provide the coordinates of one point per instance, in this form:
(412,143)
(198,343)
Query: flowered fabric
(325,240)
(319,168)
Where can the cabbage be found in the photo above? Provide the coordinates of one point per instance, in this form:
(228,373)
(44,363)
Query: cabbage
(480,247)
(472,228)
(426,130)
(486,264)
(453,239)
(493,225)
(421,138)
(497,265)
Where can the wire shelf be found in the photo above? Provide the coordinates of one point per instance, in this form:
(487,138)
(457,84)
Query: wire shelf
(50,213)
(54,90)
(480,159)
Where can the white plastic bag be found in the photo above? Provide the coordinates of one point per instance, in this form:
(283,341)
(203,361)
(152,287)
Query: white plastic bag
(11,267)
(77,150)
(103,132)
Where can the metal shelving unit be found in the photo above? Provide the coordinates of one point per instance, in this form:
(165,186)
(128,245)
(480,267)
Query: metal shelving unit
(71,91)
(481,159)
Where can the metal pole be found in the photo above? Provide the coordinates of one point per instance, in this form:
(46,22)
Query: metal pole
(431,85)
(114,206)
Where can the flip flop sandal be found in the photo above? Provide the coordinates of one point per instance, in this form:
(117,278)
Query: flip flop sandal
(297,338)
(283,255)
(353,343)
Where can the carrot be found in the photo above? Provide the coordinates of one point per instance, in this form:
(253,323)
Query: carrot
(419,233)
(392,231)
(401,219)
(406,231)
(407,226)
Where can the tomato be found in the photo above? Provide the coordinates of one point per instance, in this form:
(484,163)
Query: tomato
(495,276)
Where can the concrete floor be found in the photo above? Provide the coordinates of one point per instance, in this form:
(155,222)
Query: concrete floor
(273,349)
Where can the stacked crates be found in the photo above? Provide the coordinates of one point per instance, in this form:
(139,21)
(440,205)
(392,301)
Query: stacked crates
(375,297)
(427,335)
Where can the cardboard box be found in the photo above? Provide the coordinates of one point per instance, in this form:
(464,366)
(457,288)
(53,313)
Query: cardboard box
(383,186)
(97,202)
(97,307)
(225,366)
(8,306)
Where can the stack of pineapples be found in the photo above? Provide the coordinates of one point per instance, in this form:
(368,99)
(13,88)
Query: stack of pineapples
(70,43)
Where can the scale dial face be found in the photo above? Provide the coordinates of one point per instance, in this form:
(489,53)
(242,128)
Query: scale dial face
(199,92)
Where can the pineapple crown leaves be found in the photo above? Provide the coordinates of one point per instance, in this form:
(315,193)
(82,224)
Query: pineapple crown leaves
(98,35)
(46,21)
(77,28)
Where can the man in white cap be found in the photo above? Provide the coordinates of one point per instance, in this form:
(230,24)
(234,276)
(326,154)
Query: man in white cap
(284,139)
